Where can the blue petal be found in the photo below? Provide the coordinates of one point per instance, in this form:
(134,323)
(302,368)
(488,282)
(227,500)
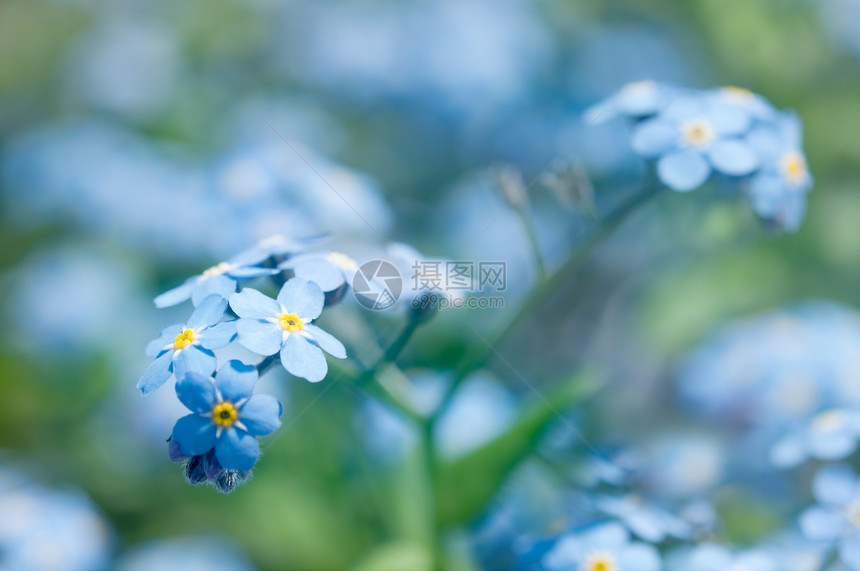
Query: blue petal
(733,157)
(327,275)
(832,445)
(196,391)
(222,286)
(835,485)
(767,143)
(766,192)
(683,170)
(208,312)
(237,450)
(260,337)
(248,272)
(326,341)
(639,557)
(235,380)
(303,359)
(653,138)
(822,525)
(252,304)
(728,119)
(165,338)
(261,414)
(194,359)
(217,336)
(156,374)
(195,434)
(849,551)
(302,297)
(177,294)
(788,452)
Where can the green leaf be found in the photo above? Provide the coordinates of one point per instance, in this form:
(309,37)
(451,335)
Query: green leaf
(395,557)
(466,484)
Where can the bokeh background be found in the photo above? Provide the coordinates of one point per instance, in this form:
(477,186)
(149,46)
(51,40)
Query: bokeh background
(141,142)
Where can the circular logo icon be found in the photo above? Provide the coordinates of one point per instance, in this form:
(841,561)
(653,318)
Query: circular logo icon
(377,285)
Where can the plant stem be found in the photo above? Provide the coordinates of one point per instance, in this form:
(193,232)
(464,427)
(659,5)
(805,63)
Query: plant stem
(481,352)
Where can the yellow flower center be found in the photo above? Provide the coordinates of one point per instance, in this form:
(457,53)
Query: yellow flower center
(342,261)
(184,339)
(697,133)
(224,414)
(794,167)
(290,322)
(216,270)
(599,561)
(737,94)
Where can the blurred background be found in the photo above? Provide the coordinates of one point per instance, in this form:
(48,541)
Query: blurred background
(143,141)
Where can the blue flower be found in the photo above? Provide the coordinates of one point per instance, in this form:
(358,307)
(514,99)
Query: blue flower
(277,245)
(711,557)
(226,416)
(267,326)
(636,100)
(604,547)
(755,106)
(221,279)
(836,518)
(829,435)
(778,191)
(188,346)
(329,270)
(694,135)
(642,518)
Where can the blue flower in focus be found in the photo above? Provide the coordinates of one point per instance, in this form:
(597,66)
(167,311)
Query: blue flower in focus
(642,518)
(329,270)
(836,518)
(267,326)
(778,191)
(226,415)
(694,135)
(829,435)
(188,346)
(636,100)
(711,557)
(221,279)
(602,548)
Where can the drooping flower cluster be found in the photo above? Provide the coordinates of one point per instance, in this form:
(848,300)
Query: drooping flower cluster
(691,135)
(218,439)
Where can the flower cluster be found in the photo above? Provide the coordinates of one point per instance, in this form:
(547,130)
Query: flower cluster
(731,132)
(218,439)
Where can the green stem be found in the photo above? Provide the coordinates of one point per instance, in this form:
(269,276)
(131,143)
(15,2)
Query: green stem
(481,352)
(534,245)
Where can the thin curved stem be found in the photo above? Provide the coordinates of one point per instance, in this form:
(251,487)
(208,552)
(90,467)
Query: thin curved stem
(482,352)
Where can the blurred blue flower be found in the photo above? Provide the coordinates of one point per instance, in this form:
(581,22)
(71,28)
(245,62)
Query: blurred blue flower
(188,346)
(643,518)
(712,557)
(829,435)
(226,416)
(267,326)
(758,108)
(778,191)
(637,100)
(601,548)
(836,518)
(48,530)
(695,134)
(201,553)
(221,279)
(274,246)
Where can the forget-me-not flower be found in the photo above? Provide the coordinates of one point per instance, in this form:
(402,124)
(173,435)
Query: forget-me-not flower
(778,191)
(267,326)
(646,520)
(829,435)
(606,547)
(329,270)
(188,346)
(635,100)
(226,415)
(221,279)
(836,518)
(694,135)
